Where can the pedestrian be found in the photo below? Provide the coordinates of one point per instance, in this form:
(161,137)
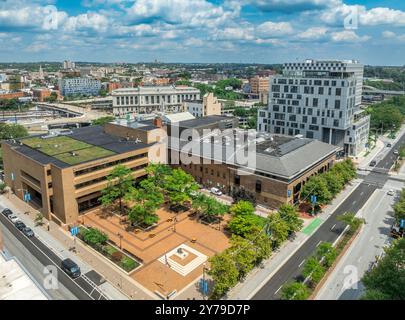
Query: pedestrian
(49,227)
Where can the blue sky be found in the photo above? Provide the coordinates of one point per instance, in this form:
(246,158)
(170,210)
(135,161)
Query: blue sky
(250,31)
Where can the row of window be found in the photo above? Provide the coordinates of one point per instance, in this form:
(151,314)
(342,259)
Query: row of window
(110,164)
(103,178)
(155,99)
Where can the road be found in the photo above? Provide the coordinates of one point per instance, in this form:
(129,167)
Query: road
(80,287)
(15,248)
(344,281)
(330,230)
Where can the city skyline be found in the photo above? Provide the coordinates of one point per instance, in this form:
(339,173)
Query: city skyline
(202,31)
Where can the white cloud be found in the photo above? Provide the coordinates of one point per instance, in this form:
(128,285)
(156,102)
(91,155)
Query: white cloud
(393,36)
(294,5)
(87,21)
(236,33)
(271,29)
(348,36)
(314,33)
(37,47)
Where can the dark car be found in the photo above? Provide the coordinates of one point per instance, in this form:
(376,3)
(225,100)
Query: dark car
(71,268)
(7,212)
(20,225)
(373,163)
(389,145)
(28,232)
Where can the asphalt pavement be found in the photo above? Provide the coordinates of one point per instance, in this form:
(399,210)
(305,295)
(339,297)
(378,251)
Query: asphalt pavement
(82,288)
(331,229)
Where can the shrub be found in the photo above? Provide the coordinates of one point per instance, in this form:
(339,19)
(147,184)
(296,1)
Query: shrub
(128,264)
(294,291)
(116,256)
(93,236)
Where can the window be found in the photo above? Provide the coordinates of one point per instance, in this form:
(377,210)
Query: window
(338,91)
(258,186)
(337,104)
(237,180)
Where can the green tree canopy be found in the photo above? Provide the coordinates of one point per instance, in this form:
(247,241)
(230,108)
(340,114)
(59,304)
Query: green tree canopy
(318,187)
(387,280)
(290,215)
(328,252)
(120,182)
(313,269)
(242,208)
(12,131)
(93,236)
(224,273)
(277,228)
(294,291)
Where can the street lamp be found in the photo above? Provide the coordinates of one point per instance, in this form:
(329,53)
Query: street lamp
(120,236)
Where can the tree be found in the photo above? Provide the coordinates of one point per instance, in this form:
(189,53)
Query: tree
(261,243)
(326,251)
(12,131)
(244,255)
(211,207)
(316,186)
(290,215)
(350,219)
(399,207)
(334,181)
(157,173)
(243,225)
(120,181)
(313,269)
(179,185)
(346,169)
(294,291)
(277,228)
(387,279)
(224,273)
(148,199)
(242,208)
(102,121)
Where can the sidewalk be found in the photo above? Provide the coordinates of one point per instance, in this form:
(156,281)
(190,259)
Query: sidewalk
(259,276)
(118,286)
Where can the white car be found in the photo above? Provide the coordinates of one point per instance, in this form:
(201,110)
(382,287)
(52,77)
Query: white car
(13,218)
(216,191)
(391,192)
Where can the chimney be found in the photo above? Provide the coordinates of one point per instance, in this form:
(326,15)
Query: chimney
(157,122)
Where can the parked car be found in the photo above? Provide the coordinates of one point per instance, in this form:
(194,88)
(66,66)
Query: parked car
(373,163)
(389,145)
(216,191)
(71,268)
(396,152)
(391,192)
(13,218)
(7,212)
(20,225)
(28,232)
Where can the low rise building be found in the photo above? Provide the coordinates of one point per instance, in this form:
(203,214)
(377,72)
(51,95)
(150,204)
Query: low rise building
(144,100)
(64,174)
(208,106)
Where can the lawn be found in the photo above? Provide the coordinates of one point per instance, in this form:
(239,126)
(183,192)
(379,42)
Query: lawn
(66,149)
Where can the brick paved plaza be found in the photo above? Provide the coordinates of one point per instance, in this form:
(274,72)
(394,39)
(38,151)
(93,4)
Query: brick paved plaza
(149,246)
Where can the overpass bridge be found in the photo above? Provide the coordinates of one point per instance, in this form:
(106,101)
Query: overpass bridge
(374,91)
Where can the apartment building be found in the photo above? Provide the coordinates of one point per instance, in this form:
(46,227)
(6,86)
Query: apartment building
(209,106)
(64,174)
(259,84)
(143,100)
(279,167)
(319,100)
(78,85)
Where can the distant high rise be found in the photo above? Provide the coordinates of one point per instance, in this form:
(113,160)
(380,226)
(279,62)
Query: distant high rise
(320,100)
(68,64)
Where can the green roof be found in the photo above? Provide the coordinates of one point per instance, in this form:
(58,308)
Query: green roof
(66,149)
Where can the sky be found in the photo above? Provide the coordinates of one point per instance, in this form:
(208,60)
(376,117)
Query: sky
(205,31)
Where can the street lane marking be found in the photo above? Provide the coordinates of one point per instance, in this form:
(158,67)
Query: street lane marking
(354,202)
(278,290)
(302,262)
(319,243)
(333,227)
(361,193)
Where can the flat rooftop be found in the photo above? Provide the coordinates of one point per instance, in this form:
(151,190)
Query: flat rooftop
(16,284)
(203,121)
(81,146)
